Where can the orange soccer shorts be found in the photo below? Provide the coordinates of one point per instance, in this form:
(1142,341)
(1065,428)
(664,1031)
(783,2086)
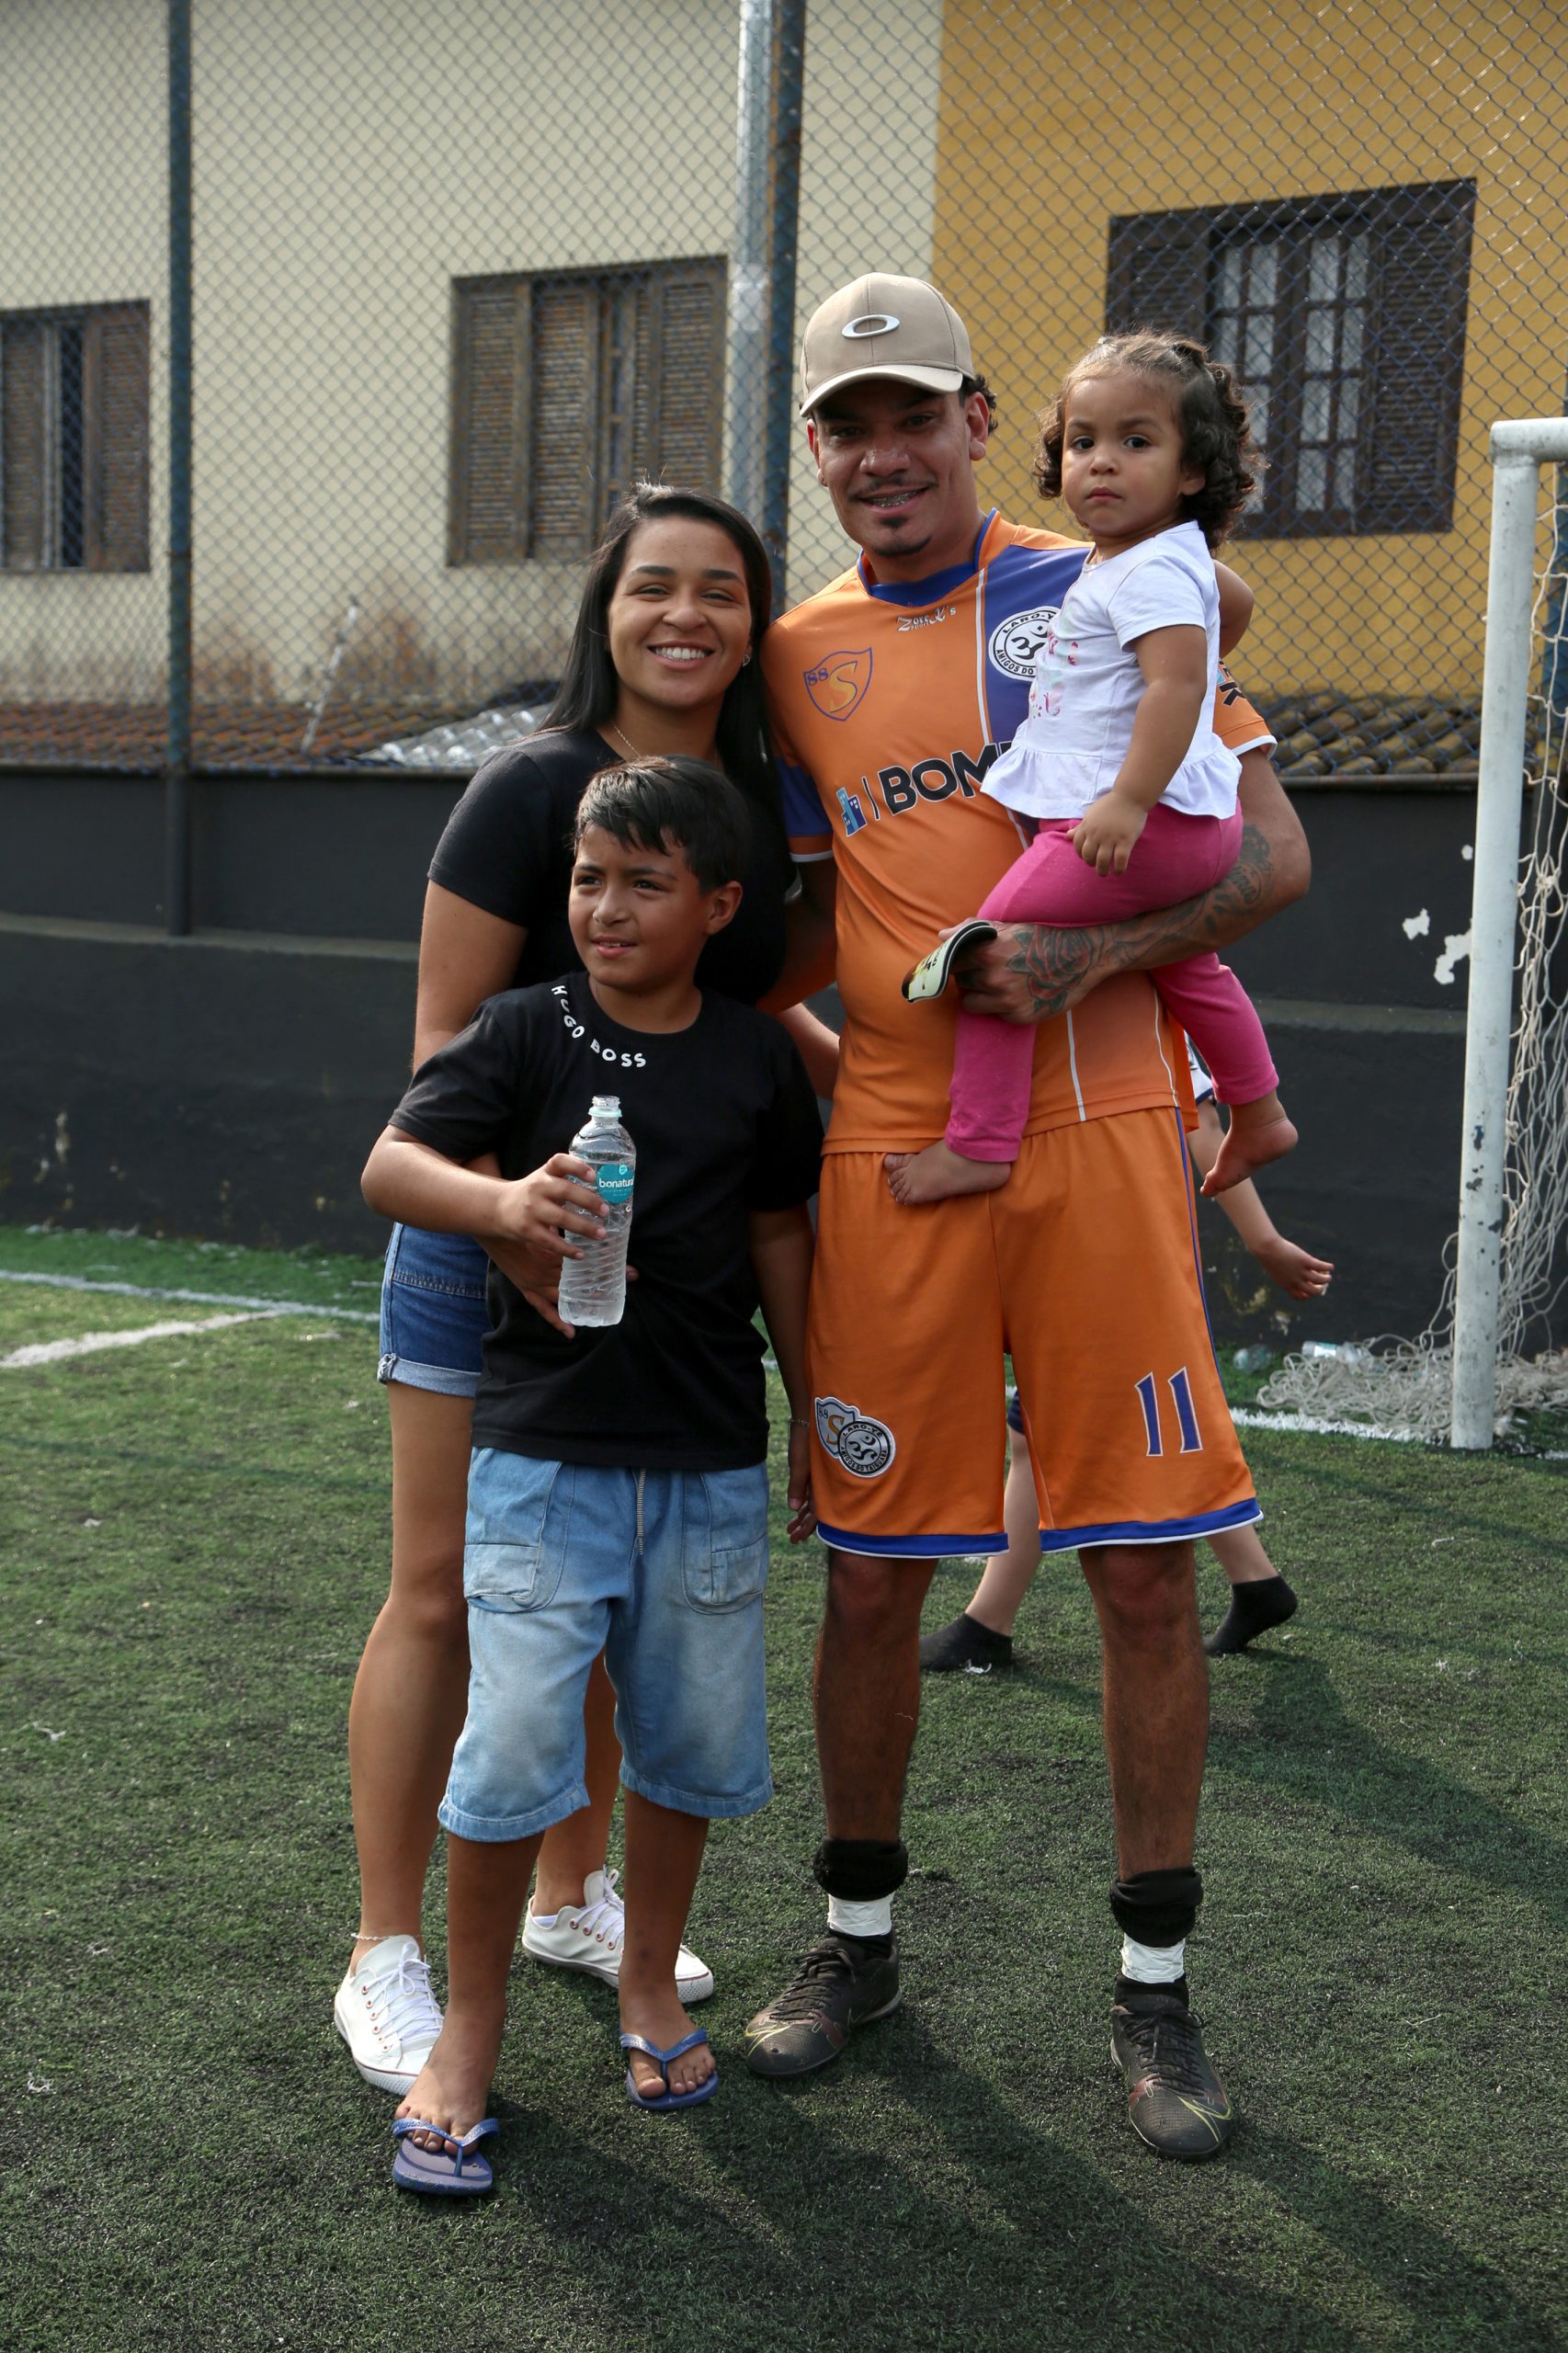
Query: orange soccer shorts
(1084,1267)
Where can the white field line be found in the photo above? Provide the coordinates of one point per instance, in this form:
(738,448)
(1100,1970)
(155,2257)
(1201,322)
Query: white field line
(194,1298)
(91,1343)
(1309,1425)
(1302,1425)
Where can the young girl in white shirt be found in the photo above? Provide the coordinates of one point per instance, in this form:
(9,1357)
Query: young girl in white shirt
(1132,793)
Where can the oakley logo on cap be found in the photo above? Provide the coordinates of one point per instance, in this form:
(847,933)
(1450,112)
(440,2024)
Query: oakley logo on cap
(870,322)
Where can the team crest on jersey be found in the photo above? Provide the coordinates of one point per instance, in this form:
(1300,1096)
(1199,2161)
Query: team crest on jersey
(864,1447)
(839,682)
(1018,644)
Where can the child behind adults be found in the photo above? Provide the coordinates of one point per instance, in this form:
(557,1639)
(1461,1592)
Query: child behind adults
(1132,793)
(979,1641)
(618,1494)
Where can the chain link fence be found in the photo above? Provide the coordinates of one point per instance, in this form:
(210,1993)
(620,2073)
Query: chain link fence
(462,275)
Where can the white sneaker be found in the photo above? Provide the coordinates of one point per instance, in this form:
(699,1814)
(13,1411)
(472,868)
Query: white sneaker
(387,2015)
(590,1936)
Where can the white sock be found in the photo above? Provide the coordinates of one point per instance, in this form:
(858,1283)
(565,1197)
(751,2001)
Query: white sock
(861,1919)
(1153,1964)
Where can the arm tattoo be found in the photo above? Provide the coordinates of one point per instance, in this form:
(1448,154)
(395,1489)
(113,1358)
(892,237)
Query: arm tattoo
(1055,964)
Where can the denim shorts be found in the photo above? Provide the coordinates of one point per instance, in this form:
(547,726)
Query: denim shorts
(434,1316)
(664,1571)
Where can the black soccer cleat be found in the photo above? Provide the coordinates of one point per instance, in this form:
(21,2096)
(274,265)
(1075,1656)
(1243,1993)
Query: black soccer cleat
(966,1646)
(1177,2102)
(837,1987)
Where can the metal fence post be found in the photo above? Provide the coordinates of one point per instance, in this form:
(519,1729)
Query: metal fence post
(748,258)
(177,800)
(783,225)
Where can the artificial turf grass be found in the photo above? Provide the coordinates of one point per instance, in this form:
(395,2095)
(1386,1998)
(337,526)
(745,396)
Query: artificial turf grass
(208,2170)
(318,1277)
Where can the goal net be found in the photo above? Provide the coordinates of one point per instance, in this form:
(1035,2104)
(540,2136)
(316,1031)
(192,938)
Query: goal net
(1485,1357)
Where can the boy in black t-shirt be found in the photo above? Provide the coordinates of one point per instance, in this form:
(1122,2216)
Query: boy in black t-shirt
(617,1494)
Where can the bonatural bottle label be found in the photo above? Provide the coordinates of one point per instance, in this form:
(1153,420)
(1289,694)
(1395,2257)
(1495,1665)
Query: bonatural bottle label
(613,1178)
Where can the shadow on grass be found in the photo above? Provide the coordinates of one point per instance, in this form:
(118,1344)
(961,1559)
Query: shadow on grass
(963,2223)
(1299,1721)
(981,2231)
(1299,1717)
(1449,2297)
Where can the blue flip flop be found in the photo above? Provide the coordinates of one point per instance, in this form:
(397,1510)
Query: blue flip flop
(669,2099)
(441,2172)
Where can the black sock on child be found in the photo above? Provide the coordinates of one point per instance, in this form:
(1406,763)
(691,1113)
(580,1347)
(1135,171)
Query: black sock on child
(1256,1606)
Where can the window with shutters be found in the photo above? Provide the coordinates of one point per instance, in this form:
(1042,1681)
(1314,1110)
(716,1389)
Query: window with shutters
(569,386)
(74,439)
(1344,318)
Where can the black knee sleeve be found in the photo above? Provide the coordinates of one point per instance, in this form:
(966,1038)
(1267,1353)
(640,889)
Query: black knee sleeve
(860,1869)
(1157,1908)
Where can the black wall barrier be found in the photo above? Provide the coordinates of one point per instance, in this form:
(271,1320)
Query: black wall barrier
(229,1085)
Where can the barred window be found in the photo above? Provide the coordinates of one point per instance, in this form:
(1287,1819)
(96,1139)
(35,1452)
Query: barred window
(73,439)
(1344,317)
(566,387)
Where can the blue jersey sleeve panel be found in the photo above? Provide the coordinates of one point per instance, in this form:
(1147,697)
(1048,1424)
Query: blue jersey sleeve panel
(805,820)
(1021,588)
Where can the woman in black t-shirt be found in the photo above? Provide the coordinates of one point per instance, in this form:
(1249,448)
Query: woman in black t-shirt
(662,660)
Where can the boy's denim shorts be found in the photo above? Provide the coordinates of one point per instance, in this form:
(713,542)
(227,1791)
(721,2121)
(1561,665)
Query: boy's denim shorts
(664,1571)
(434,1316)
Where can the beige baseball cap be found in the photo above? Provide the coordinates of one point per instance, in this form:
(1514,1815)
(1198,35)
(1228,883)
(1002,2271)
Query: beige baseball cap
(883,326)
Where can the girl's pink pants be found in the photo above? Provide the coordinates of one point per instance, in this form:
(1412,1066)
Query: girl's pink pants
(1176,858)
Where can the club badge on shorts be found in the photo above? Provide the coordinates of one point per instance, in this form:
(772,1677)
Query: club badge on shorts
(864,1447)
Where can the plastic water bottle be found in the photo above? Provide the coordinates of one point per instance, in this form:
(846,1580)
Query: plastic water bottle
(592,1287)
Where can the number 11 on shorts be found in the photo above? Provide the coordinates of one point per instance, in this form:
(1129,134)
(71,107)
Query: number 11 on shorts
(1181,1398)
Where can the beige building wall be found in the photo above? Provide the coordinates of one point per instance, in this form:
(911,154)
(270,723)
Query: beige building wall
(1056,116)
(352,159)
(83,174)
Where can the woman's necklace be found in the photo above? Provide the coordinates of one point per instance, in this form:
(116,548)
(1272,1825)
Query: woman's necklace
(622,738)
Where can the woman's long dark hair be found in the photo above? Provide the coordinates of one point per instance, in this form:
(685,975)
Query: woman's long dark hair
(589,687)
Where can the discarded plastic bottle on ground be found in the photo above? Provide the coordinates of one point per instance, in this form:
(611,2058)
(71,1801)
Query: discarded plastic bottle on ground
(592,1287)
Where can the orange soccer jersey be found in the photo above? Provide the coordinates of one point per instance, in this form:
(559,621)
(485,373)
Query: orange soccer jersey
(891,701)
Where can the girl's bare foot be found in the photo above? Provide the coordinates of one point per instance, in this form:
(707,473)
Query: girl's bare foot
(1249,1144)
(452,2088)
(657,2015)
(939,1171)
(1295,1270)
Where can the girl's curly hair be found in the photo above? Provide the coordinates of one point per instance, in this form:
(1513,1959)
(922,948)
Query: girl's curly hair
(1216,431)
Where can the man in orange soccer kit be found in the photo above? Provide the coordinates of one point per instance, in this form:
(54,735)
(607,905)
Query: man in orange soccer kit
(893,691)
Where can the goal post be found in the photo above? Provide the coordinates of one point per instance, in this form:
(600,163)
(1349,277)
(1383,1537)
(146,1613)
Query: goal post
(1519,448)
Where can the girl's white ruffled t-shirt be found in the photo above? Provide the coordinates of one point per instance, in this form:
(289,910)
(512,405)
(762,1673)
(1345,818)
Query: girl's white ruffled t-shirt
(1087,686)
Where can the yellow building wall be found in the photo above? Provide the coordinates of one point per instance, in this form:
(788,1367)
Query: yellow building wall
(1055,117)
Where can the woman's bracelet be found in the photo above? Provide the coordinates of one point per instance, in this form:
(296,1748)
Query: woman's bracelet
(799,1422)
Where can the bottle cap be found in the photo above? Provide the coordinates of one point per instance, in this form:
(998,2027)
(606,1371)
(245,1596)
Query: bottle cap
(605,1106)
